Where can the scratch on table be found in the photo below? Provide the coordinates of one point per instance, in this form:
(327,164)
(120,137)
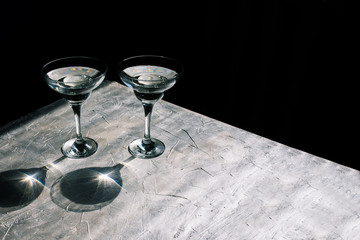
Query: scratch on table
(171,195)
(142,218)
(155,186)
(253,163)
(88,229)
(102,114)
(179,231)
(81,217)
(214,223)
(166,195)
(54,121)
(7,231)
(172,149)
(48,145)
(204,171)
(163,129)
(142,234)
(103,117)
(307,183)
(191,138)
(26,147)
(36,134)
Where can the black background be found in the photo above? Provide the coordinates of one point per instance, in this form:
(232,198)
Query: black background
(280,69)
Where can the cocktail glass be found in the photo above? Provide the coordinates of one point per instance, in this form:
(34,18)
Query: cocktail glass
(149,77)
(75,78)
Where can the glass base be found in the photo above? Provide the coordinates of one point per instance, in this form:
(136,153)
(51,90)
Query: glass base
(79,149)
(140,150)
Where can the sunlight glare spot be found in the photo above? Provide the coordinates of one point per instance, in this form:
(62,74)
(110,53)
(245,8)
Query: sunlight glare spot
(31,180)
(104,177)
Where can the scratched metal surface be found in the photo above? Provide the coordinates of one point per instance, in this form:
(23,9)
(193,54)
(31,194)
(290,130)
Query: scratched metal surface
(214,181)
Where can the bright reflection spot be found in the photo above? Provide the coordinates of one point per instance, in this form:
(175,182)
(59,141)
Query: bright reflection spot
(106,179)
(31,180)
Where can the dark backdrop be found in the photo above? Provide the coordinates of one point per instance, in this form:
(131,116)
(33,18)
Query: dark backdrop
(280,69)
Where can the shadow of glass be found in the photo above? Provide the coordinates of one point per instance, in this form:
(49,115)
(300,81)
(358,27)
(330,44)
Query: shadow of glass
(20,187)
(88,189)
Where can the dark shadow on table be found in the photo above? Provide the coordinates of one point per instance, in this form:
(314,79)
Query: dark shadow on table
(88,189)
(20,187)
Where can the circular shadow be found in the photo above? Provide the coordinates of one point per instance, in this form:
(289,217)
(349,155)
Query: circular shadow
(87,189)
(20,187)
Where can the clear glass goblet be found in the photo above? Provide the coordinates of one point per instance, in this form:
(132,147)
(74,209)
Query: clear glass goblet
(149,77)
(74,78)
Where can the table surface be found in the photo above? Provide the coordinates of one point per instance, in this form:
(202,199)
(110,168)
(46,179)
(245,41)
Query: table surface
(214,181)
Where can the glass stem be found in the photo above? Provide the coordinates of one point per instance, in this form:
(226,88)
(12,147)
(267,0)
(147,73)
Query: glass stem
(76,107)
(148,107)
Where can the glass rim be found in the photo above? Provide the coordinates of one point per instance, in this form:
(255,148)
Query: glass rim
(44,73)
(122,62)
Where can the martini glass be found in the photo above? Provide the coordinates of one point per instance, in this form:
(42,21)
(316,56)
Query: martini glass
(149,77)
(74,78)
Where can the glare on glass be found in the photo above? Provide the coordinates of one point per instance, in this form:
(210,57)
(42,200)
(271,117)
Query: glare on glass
(149,77)
(74,78)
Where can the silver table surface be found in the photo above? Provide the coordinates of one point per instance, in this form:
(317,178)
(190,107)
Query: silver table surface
(214,181)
